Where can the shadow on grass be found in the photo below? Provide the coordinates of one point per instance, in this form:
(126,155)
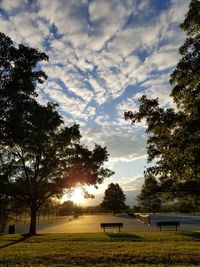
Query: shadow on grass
(24,237)
(124,236)
(195,235)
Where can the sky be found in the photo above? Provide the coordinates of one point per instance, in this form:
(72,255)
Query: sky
(103,56)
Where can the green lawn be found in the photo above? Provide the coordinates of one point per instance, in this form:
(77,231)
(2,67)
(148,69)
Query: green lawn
(109,249)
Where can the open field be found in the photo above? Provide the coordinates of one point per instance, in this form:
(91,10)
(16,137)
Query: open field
(102,249)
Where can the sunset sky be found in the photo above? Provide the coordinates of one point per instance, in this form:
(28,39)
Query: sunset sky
(104,54)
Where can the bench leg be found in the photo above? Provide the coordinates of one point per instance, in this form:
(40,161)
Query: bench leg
(119,229)
(160,228)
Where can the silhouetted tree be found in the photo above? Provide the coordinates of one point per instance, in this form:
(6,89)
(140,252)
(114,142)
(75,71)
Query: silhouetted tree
(174,135)
(188,204)
(40,156)
(149,199)
(114,198)
(68,207)
(18,76)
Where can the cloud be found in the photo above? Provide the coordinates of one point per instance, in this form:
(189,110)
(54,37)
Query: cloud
(103,56)
(158,87)
(161,61)
(124,144)
(89,46)
(10,6)
(90,111)
(133,184)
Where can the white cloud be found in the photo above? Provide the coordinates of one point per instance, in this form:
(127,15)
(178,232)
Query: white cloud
(143,5)
(103,56)
(90,111)
(133,183)
(84,28)
(123,143)
(70,105)
(177,11)
(11,5)
(107,18)
(160,61)
(100,91)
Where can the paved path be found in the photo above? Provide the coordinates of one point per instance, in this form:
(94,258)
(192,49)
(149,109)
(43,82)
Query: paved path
(85,224)
(91,223)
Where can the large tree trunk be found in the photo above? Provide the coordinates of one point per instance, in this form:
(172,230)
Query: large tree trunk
(32,229)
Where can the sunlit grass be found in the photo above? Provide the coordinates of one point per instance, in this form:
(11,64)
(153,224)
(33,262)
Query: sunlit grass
(109,249)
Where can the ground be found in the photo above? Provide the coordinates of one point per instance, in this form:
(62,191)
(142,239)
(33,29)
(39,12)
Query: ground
(91,223)
(123,249)
(138,245)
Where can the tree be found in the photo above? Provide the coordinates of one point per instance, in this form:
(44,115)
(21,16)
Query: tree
(18,77)
(40,156)
(174,135)
(149,199)
(188,204)
(67,208)
(114,198)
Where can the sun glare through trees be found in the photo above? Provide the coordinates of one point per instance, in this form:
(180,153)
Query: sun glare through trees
(77,196)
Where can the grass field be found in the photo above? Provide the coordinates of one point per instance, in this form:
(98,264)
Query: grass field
(102,249)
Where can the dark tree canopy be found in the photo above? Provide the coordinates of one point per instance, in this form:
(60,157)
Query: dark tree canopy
(174,135)
(68,208)
(149,199)
(39,155)
(18,72)
(114,198)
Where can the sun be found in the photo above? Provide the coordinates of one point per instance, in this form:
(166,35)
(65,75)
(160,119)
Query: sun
(77,196)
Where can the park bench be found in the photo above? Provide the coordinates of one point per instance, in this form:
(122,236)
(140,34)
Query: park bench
(111,225)
(168,224)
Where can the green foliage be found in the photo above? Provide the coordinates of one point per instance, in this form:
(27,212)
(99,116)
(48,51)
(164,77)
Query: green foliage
(114,198)
(174,135)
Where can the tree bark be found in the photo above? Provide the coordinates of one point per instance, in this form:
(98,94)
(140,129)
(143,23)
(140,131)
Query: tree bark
(32,229)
